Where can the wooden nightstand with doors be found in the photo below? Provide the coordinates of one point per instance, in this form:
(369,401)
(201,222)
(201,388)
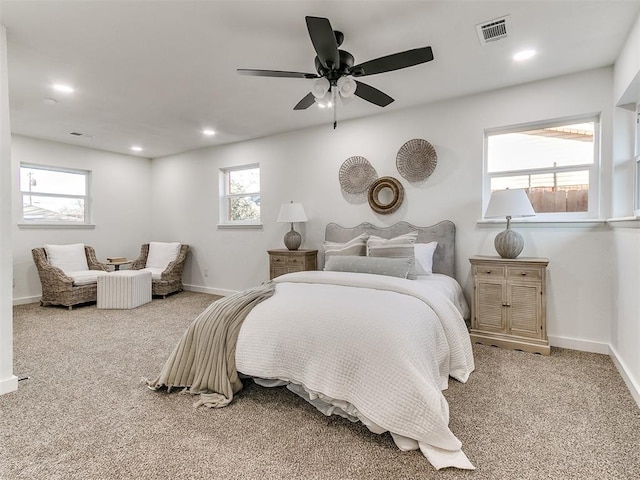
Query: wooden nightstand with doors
(283,261)
(509,304)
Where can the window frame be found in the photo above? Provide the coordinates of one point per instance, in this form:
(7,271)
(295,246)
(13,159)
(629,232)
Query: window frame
(593,211)
(64,223)
(225,196)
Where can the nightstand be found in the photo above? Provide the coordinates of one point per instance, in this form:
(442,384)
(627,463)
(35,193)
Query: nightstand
(509,304)
(283,261)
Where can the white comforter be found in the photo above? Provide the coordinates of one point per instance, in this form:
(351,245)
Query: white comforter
(368,347)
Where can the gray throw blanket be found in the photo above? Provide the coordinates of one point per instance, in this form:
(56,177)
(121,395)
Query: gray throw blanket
(204,360)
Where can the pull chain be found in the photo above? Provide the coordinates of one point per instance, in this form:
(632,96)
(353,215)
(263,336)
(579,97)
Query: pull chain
(335,109)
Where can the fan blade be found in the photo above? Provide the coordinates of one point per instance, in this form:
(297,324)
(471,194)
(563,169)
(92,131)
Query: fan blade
(306,102)
(275,73)
(373,95)
(324,41)
(392,62)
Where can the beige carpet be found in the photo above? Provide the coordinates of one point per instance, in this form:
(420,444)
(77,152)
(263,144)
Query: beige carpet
(84,415)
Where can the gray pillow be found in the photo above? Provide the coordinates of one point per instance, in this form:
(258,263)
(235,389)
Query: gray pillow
(393,267)
(401,246)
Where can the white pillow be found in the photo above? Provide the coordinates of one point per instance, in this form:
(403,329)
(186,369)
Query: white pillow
(401,246)
(424,257)
(161,254)
(68,258)
(86,277)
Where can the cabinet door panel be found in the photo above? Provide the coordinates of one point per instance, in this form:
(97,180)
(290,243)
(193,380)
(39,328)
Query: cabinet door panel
(489,310)
(525,309)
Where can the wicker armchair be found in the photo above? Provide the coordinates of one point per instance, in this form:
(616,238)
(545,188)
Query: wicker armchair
(58,288)
(171,278)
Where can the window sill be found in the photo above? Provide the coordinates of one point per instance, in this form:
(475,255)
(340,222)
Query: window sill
(567,223)
(618,222)
(64,226)
(239,226)
(624,222)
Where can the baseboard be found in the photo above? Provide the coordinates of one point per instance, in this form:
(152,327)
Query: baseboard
(210,291)
(26,300)
(191,288)
(577,344)
(632,385)
(8,385)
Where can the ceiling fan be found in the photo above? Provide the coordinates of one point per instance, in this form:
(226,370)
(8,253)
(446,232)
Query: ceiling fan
(335,68)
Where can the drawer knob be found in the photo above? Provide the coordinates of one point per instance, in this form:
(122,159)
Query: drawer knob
(524,273)
(488,271)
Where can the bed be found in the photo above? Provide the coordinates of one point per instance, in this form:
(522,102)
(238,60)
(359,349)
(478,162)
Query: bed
(370,347)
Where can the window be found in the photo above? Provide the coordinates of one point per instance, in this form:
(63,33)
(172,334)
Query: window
(54,195)
(555,162)
(240,190)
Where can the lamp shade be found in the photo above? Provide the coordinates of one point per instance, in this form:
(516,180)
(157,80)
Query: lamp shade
(292,212)
(320,87)
(509,203)
(347,87)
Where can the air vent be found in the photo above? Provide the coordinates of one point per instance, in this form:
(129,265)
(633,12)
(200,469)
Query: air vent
(80,134)
(494,30)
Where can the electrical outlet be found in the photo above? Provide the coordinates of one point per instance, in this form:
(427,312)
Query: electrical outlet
(206,272)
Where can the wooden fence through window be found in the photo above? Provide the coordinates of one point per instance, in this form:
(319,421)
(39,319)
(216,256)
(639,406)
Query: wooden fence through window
(569,199)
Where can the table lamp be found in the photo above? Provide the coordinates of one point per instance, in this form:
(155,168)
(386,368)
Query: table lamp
(290,213)
(509,203)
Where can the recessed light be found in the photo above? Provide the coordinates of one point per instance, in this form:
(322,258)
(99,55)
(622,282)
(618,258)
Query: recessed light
(524,55)
(59,87)
(209,132)
(136,148)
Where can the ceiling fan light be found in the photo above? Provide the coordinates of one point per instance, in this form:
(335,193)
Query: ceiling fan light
(326,101)
(347,87)
(346,100)
(320,87)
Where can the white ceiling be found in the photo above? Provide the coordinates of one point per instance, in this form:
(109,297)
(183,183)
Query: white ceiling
(154,73)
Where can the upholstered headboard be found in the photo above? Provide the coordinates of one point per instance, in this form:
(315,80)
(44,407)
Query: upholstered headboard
(444,233)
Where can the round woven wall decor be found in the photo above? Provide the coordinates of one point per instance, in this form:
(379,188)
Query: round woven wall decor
(356,175)
(397,191)
(416,160)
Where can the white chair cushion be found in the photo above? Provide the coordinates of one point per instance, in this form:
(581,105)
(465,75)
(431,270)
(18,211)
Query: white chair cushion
(156,273)
(86,277)
(68,258)
(161,254)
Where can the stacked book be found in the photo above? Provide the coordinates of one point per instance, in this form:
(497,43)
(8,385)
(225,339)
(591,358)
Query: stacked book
(116,259)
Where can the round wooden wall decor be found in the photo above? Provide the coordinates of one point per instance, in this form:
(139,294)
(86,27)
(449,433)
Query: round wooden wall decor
(381,189)
(416,160)
(356,175)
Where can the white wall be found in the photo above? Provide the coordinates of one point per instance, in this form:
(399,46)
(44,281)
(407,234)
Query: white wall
(303,166)
(625,325)
(625,246)
(626,86)
(8,381)
(121,208)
